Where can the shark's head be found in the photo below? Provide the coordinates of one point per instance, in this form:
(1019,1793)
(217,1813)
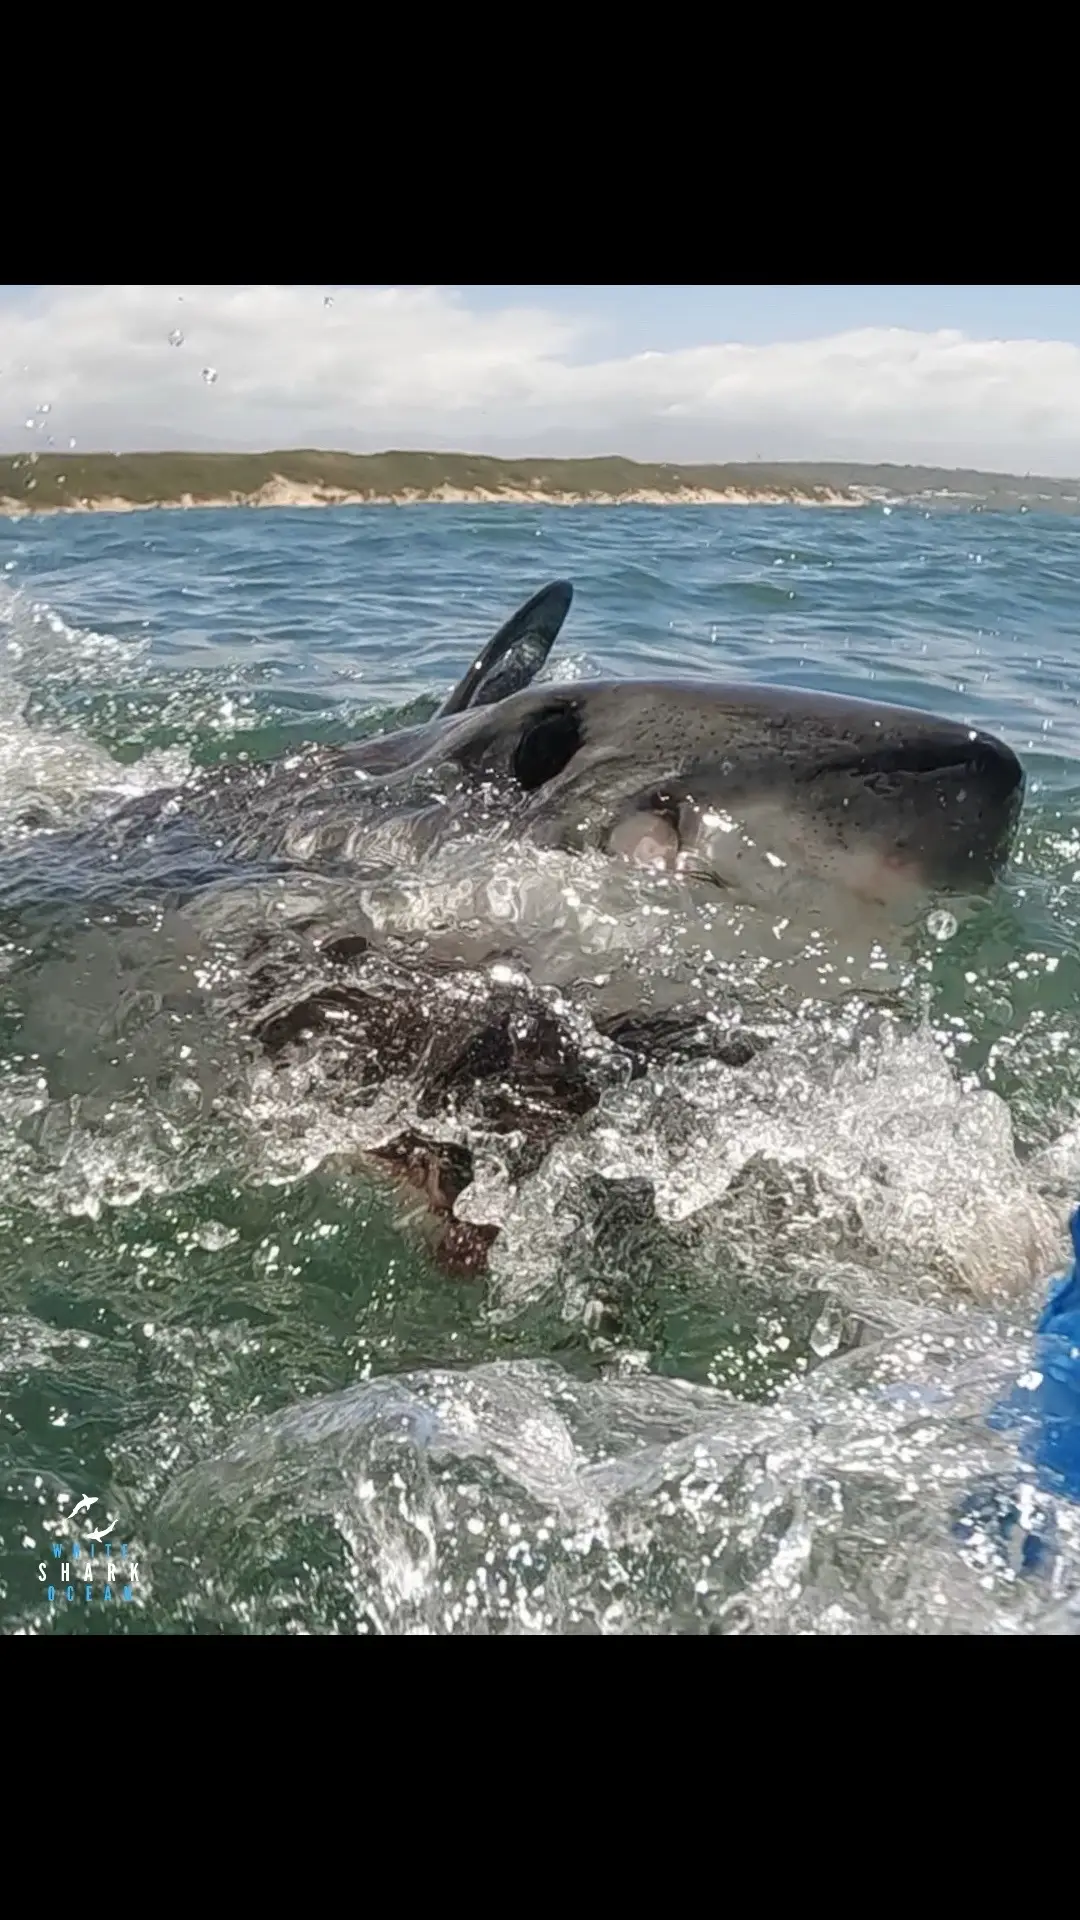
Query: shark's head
(747,785)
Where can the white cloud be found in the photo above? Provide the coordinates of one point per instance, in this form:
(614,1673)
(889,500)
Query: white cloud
(414,366)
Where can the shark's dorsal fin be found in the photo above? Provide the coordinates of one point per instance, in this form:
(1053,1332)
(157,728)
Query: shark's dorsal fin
(516,654)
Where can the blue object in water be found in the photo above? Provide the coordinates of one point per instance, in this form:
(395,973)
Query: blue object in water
(1045,1402)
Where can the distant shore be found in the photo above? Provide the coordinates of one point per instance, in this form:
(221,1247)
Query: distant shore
(127,483)
(280,492)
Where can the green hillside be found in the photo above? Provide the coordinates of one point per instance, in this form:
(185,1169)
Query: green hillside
(51,480)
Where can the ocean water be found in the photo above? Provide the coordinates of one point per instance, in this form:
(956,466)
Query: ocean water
(732,1366)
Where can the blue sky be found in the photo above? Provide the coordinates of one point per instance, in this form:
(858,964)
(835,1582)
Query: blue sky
(946,376)
(638,318)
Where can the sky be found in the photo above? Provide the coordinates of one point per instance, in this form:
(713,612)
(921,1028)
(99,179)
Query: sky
(978,376)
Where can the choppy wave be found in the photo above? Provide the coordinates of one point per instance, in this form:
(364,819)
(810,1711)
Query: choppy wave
(732,1365)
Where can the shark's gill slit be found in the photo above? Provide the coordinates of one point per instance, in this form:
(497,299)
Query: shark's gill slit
(547,745)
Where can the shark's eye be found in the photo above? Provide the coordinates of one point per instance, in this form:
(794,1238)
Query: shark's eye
(548,743)
(666,806)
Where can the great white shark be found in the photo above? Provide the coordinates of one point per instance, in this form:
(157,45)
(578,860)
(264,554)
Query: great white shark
(739,787)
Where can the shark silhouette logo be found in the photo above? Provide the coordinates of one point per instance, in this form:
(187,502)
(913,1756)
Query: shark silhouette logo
(77,1570)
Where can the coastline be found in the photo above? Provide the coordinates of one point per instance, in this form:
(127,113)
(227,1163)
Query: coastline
(280,492)
(44,482)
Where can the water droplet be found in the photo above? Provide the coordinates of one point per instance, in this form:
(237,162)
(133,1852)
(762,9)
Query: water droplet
(328,300)
(176,338)
(827,1330)
(213,1235)
(941,924)
(45,407)
(71,443)
(209,374)
(29,425)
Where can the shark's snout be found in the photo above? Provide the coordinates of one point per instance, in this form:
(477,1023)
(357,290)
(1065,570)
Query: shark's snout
(937,801)
(999,771)
(944,753)
(878,799)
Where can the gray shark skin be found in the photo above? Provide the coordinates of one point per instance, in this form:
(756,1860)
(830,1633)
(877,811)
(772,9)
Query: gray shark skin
(517,652)
(741,787)
(737,785)
(740,784)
